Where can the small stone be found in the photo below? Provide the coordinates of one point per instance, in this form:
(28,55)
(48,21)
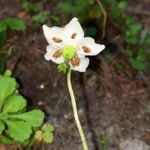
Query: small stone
(42,86)
(133,144)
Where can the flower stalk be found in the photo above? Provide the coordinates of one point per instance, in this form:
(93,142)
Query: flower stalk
(75,111)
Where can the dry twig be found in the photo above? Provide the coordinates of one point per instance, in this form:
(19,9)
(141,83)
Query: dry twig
(105,17)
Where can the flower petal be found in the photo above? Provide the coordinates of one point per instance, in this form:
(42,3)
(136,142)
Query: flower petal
(54,54)
(54,35)
(88,47)
(81,65)
(73,32)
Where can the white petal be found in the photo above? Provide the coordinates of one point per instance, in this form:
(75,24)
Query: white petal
(49,55)
(54,35)
(84,62)
(88,47)
(86,40)
(73,32)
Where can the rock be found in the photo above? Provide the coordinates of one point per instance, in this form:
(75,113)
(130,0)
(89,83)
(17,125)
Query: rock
(133,144)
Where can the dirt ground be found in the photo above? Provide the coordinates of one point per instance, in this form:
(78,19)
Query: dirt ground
(114,107)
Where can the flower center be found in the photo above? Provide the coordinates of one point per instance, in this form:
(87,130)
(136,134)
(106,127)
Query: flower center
(69,51)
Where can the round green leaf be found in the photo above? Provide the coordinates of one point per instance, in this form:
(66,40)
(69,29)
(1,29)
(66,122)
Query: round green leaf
(34,118)
(137,64)
(7,87)
(16,24)
(14,103)
(48,133)
(19,130)
(5,140)
(39,18)
(8,73)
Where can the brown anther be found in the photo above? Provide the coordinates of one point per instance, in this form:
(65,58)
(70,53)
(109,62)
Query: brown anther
(57,40)
(57,54)
(86,49)
(75,61)
(73,35)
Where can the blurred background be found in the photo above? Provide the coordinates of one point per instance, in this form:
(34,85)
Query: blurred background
(113,95)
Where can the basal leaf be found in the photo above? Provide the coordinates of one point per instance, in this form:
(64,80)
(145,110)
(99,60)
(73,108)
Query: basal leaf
(5,140)
(14,103)
(7,87)
(16,24)
(34,118)
(19,130)
(48,127)
(2,126)
(48,133)
(8,73)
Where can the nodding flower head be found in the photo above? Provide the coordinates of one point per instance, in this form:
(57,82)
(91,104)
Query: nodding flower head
(68,46)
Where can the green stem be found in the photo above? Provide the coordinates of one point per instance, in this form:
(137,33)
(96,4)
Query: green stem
(75,112)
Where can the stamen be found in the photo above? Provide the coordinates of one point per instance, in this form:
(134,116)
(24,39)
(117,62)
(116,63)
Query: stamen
(75,61)
(57,54)
(86,49)
(73,35)
(57,40)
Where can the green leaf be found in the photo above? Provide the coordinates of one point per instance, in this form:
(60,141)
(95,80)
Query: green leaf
(131,39)
(109,3)
(118,11)
(95,12)
(14,103)
(128,53)
(121,5)
(19,130)
(62,68)
(32,7)
(90,1)
(54,18)
(26,6)
(141,55)
(65,7)
(3,25)
(2,126)
(7,87)
(5,140)
(48,133)
(4,116)
(16,24)
(137,64)
(7,73)
(34,118)
(133,29)
(39,18)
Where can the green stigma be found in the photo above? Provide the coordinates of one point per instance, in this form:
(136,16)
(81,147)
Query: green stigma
(68,51)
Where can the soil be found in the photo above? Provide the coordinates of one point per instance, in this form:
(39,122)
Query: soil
(113,105)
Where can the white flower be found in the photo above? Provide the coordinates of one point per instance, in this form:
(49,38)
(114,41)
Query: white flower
(68,43)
